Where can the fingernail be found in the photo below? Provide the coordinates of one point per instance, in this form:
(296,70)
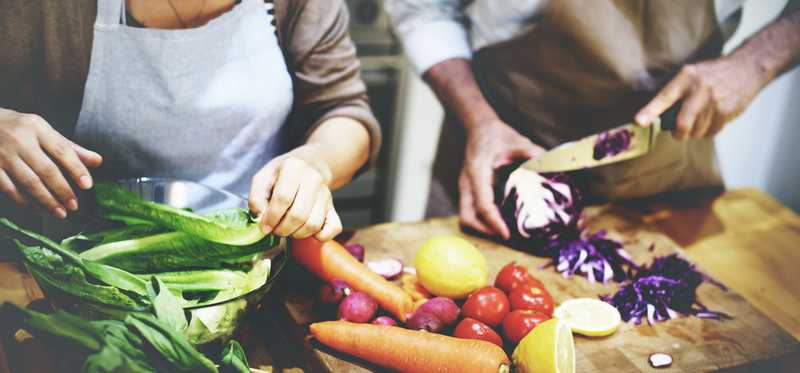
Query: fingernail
(72,205)
(60,212)
(86,182)
(266,229)
(642,119)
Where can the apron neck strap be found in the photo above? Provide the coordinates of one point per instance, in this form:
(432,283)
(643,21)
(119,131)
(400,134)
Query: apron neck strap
(110,12)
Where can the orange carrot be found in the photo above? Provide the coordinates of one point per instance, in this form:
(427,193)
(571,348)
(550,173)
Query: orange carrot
(407,350)
(330,261)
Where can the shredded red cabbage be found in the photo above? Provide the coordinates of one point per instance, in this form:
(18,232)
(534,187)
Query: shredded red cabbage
(612,143)
(662,291)
(596,257)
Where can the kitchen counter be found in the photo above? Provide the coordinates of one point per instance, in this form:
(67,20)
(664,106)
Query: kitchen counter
(743,238)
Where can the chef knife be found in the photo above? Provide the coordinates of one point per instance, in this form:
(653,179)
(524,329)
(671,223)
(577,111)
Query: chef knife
(581,154)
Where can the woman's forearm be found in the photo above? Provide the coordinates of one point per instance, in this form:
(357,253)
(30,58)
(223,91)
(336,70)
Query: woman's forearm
(343,145)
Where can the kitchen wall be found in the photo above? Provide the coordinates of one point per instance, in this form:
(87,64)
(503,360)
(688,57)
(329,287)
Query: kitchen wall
(759,149)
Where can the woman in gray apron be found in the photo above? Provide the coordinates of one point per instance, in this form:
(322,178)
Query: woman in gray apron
(572,68)
(209,97)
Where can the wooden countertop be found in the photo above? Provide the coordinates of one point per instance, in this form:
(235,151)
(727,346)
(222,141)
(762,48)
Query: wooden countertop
(742,237)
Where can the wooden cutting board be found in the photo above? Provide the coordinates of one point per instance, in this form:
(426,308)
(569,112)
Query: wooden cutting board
(749,342)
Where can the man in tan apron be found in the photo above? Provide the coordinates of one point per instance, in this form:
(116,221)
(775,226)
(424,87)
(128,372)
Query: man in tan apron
(572,68)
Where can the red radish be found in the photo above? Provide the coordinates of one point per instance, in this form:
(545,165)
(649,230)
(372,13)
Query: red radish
(520,322)
(357,307)
(357,250)
(388,268)
(473,329)
(488,305)
(384,320)
(333,292)
(425,321)
(444,308)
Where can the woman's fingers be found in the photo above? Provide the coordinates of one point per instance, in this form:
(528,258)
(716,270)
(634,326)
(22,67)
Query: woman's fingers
(88,157)
(51,176)
(300,209)
(62,151)
(29,180)
(283,193)
(316,218)
(332,226)
(8,188)
(261,188)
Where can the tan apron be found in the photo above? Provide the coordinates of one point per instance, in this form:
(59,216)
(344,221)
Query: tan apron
(584,67)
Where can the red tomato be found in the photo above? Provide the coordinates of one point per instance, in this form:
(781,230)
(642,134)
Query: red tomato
(513,276)
(520,322)
(488,305)
(473,329)
(533,299)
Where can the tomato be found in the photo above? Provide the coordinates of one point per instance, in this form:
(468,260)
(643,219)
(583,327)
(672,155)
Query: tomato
(520,322)
(488,305)
(513,276)
(470,328)
(533,299)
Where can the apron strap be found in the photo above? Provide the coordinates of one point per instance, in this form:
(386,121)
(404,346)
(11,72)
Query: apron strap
(110,12)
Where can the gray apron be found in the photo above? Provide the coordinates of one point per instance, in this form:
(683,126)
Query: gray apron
(584,67)
(205,104)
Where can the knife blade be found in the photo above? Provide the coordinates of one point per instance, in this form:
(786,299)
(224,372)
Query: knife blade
(581,154)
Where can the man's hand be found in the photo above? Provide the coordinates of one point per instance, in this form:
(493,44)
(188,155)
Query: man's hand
(711,94)
(489,147)
(31,152)
(292,196)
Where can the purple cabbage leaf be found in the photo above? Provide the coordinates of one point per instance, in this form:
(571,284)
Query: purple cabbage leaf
(611,143)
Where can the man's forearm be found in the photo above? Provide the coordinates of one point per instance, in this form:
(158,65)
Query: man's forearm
(774,49)
(454,84)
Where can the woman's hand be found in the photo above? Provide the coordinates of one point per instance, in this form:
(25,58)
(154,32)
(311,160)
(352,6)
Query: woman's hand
(292,196)
(31,152)
(489,146)
(712,92)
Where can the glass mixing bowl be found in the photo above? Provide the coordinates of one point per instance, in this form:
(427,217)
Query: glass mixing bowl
(210,325)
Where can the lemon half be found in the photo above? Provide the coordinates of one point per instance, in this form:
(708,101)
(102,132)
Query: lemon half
(548,348)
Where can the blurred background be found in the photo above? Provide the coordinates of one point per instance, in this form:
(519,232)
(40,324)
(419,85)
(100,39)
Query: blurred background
(758,150)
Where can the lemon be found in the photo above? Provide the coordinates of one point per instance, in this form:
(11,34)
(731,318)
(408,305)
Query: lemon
(548,348)
(589,316)
(450,266)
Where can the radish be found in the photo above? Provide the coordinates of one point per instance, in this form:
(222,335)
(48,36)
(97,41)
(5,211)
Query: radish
(357,250)
(357,307)
(444,308)
(333,292)
(425,321)
(389,268)
(384,320)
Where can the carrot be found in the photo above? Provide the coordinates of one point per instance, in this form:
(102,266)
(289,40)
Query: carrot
(330,261)
(407,350)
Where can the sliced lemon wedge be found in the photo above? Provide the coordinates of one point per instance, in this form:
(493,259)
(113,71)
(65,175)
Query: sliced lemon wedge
(589,316)
(548,348)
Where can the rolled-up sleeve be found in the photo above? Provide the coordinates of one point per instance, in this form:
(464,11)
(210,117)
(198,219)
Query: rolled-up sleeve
(431,30)
(325,70)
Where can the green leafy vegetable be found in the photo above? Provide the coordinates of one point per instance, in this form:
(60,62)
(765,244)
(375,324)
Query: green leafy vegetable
(83,241)
(166,306)
(233,359)
(173,251)
(232,227)
(110,275)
